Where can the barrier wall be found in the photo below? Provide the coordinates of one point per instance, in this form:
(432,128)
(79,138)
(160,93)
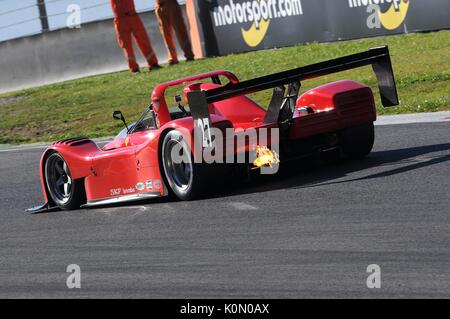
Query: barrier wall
(69,54)
(231,26)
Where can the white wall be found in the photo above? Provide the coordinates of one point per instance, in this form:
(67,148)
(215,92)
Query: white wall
(69,54)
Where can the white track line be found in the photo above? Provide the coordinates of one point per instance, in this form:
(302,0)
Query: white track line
(8,148)
(40,146)
(413,118)
(242,206)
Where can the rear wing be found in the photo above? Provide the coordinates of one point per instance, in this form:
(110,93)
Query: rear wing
(379,58)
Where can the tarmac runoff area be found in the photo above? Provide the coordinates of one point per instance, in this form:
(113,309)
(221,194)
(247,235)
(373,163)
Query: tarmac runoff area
(312,231)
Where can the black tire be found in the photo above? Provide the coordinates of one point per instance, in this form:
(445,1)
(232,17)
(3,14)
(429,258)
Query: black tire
(357,142)
(186,179)
(66,193)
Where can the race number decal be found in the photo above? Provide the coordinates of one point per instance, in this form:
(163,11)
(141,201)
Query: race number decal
(205,128)
(202,119)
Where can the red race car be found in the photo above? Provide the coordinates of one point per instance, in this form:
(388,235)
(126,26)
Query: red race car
(178,152)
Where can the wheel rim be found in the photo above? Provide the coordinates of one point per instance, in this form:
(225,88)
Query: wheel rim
(59,180)
(179,172)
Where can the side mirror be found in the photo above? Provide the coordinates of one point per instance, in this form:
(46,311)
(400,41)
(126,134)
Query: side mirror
(117,115)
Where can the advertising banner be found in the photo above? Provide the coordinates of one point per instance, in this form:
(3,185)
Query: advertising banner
(230,26)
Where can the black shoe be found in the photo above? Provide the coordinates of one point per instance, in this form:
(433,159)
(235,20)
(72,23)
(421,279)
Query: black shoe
(154,67)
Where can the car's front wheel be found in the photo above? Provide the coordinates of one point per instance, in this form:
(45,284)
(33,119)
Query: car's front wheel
(185,178)
(65,192)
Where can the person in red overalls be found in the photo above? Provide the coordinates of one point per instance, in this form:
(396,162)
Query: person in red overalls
(171,18)
(127,24)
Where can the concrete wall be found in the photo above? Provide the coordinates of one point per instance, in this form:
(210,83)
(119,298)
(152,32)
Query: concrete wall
(69,54)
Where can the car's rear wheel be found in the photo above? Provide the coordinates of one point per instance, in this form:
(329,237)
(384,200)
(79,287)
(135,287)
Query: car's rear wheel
(65,192)
(185,178)
(357,142)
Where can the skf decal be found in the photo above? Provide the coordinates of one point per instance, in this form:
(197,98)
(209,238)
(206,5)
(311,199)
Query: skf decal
(116,191)
(119,191)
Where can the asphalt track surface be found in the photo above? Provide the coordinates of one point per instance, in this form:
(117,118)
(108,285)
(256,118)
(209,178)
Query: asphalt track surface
(310,232)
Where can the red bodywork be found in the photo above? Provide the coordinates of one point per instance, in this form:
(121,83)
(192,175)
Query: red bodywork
(130,166)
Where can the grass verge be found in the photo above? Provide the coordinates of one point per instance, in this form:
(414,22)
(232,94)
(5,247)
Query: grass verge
(83,107)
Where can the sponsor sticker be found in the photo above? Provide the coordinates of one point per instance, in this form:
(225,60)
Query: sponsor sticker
(157,184)
(115,191)
(149,185)
(129,190)
(122,191)
(140,186)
